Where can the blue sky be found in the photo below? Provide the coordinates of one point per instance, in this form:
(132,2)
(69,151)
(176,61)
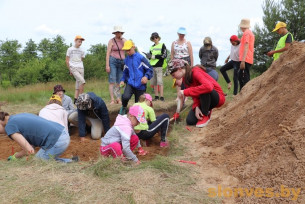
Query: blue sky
(94,20)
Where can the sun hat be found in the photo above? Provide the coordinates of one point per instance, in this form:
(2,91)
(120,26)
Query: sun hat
(84,102)
(234,38)
(148,97)
(58,88)
(55,97)
(154,35)
(79,37)
(175,64)
(138,112)
(182,30)
(117,29)
(279,25)
(128,45)
(245,23)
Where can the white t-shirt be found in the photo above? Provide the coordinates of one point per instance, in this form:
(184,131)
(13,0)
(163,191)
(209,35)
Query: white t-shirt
(75,55)
(234,55)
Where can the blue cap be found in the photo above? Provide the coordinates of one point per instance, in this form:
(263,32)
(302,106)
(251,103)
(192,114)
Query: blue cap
(182,30)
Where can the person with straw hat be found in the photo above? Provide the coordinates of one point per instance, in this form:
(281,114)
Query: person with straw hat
(115,63)
(246,52)
(284,42)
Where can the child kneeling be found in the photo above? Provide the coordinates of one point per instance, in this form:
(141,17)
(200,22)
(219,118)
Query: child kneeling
(120,140)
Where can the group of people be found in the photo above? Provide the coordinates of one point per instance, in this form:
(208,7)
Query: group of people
(50,130)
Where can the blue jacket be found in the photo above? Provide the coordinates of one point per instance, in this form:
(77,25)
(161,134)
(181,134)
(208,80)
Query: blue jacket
(100,110)
(136,67)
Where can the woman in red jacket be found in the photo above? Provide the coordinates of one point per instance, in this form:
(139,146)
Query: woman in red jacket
(205,91)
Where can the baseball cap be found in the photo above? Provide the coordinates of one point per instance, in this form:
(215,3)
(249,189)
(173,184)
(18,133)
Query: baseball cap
(175,64)
(234,38)
(138,112)
(182,30)
(55,97)
(279,25)
(58,88)
(148,97)
(128,45)
(79,37)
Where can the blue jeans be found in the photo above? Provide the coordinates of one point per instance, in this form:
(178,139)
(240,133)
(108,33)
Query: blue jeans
(213,73)
(116,71)
(60,147)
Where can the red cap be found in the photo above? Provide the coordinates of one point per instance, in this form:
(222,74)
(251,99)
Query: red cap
(234,38)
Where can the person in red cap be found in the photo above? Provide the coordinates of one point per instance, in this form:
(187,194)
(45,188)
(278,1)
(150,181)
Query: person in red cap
(232,64)
(74,62)
(204,90)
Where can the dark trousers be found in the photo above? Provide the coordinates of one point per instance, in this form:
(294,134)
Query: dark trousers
(244,75)
(231,65)
(160,124)
(207,102)
(128,92)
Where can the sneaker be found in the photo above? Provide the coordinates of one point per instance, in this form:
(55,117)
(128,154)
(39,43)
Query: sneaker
(156,98)
(123,111)
(141,151)
(161,98)
(202,123)
(164,144)
(75,158)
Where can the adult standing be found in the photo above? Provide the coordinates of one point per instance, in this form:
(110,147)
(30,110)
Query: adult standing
(157,56)
(284,42)
(246,52)
(208,55)
(115,63)
(232,64)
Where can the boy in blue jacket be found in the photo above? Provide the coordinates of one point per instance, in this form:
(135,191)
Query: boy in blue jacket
(137,71)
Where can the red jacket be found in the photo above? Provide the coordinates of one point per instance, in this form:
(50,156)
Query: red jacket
(202,83)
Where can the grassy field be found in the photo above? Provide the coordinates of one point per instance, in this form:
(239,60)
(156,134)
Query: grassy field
(161,180)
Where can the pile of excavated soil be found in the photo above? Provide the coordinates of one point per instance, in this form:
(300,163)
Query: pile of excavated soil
(259,137)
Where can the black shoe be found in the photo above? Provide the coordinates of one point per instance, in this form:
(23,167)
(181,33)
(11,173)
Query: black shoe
(161,98)
(156,98)
(75,158)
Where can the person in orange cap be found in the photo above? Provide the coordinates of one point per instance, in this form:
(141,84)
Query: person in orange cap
(284,42)
(74,62)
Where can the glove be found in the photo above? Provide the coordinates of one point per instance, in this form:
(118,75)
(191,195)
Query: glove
(142,152)
(176,116)
(12,158)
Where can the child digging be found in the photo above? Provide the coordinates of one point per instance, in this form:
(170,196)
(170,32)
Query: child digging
(120,140)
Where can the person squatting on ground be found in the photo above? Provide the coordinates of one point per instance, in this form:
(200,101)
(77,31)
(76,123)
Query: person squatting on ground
(55,112)
(204,90)
(115,63)
(159,124)
(74,62)
(284,42)
(137,72)
(246,52)
(208,55)
(93,109)
(232,64)
(157,56)
(121,139)
(30,131)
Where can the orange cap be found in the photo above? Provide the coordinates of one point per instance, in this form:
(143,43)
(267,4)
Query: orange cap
(79,37)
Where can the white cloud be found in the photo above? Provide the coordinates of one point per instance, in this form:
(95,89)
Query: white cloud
(47,30)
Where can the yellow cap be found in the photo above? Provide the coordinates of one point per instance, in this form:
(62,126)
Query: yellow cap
(128,45)
(279,25)
(55,97)
(79,37)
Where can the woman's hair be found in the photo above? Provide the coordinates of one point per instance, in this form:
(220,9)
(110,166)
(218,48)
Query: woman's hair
(142,98)
(2,115)
(55,101)
(188,73)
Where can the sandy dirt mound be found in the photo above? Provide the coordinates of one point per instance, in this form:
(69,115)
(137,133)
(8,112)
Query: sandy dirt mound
(261,133)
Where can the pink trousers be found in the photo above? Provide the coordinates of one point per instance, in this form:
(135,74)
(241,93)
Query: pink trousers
(115,149)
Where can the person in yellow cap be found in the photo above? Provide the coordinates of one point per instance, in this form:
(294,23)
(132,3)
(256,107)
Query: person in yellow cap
(74,62)
(284,42)
(137,72)
(55,112)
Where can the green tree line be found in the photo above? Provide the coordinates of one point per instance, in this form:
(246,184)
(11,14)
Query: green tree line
(44,62)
